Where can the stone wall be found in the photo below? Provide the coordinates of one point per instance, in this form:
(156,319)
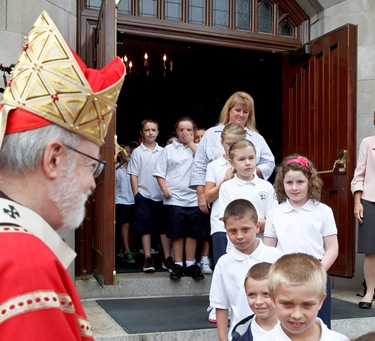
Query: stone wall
(17,17)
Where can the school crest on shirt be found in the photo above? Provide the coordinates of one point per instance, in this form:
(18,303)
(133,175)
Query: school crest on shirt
(262,195)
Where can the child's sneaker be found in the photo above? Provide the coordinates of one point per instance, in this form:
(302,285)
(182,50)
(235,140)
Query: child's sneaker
(129,257)
(148,265)
(205,266)
(211,314)
(177,272)
(193,271)
(167,264)
(152,251)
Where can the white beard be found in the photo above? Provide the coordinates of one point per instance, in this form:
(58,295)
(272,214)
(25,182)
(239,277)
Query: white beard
(69,199)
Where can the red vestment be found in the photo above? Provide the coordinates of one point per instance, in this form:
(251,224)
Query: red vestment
(38,299)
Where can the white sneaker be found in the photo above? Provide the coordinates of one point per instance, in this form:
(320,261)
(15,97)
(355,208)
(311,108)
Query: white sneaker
(152,251)
(212,314)
(205,266)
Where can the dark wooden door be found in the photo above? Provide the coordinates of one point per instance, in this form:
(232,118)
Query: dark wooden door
(319,121)
(104,205)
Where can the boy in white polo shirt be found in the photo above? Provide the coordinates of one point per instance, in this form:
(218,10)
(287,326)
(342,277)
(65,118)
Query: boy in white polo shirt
(242,225)
(148,215)
(297,285)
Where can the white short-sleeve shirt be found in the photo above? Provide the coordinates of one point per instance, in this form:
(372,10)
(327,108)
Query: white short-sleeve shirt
(227,285)
(301,230)
(174,165)
(258,191)
(141,164)
(210,149)
(278,334)
(216,173)
(124,193)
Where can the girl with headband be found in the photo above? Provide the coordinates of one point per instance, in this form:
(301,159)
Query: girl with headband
(301,223)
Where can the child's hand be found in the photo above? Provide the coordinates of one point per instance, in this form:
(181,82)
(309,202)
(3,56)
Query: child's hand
(167,194)
(229,174)
(188,137)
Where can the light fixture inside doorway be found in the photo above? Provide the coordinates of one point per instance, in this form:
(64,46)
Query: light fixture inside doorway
(150,66)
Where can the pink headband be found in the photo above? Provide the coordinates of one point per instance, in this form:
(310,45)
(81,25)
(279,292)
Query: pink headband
(300,160)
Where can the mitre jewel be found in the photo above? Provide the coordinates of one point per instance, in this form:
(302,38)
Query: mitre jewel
(51,81)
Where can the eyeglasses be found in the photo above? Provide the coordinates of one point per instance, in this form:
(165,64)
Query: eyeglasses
(99,167)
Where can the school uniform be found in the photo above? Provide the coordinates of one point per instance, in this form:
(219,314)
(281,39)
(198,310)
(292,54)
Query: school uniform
(303,230)
(183,214)
(216,173)
(142,163)
(307,226)
(124,199)
(258,191)
(149,199)
(248,330)
(227,285)
(278,334)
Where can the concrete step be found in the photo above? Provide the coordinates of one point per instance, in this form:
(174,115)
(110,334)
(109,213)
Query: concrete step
(143,284)
(131,285)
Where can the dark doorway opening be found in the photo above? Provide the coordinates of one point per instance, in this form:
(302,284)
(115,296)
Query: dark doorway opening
(200,81)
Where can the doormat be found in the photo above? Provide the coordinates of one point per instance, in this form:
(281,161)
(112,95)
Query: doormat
(160,314)
(342,310)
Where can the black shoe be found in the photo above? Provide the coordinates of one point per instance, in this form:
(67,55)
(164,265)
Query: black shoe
(177,272)
(167,264)
(148,265)
(365,305)
(194,271)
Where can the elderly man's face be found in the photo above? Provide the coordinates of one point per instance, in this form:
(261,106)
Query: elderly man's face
(75,184)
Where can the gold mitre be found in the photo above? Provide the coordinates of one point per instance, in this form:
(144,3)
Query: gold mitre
(52,82)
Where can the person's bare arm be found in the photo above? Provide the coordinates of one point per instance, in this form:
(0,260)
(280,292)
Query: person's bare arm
(202,202)
(212,189)
(222,324)
(166,192)
(331,246)
(134,183)
(270,241)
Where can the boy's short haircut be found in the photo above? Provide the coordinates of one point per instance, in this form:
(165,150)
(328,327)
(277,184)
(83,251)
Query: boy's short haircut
(297,269)
(240,208)
(258,271)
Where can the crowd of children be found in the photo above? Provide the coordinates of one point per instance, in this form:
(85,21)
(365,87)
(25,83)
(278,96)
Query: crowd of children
(268,285)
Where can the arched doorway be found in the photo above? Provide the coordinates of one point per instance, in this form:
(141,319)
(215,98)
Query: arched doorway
(218,61)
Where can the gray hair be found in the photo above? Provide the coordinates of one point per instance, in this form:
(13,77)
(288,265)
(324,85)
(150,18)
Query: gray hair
(23,151)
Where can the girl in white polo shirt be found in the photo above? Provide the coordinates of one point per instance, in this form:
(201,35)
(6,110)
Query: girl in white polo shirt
(172,172)
(219,171)
(301,223)
(246,184)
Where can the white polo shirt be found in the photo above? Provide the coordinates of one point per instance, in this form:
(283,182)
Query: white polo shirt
(216,173)
(227,285)
(301,230)
(174,165)
(142,163)
(124,193)
(278,334)
(210,149)
(258,191)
